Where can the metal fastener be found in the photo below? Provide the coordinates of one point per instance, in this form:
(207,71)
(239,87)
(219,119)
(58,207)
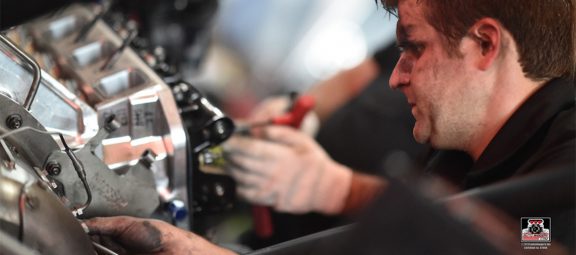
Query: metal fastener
(53,168)
(14,121)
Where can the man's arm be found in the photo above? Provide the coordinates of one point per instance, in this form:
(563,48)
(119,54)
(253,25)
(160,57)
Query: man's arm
(334,92)
(363,190)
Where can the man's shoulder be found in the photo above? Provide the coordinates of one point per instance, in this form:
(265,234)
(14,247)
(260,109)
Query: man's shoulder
(564,123)
(558,146)
(561,128)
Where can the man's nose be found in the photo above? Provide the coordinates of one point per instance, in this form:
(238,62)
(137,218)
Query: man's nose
(400,75)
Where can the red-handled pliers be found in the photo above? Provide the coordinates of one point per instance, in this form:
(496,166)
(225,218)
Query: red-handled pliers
(294,117)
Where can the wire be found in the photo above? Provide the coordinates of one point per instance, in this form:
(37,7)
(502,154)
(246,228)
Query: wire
(81,174)
(75,163)
(103,249)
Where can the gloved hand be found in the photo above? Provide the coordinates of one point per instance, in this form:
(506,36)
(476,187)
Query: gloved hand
(128,235)
(268,108)
(276,106)
(287,170)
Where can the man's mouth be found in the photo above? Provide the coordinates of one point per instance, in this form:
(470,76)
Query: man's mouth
(413,109)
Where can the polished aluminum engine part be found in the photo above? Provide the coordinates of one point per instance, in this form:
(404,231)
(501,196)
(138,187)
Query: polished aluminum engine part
(130,192)
(42,187)
(52,104)
(59,110)
(122,167)
(9,245)
(128,89)
(33,215)
(30,212)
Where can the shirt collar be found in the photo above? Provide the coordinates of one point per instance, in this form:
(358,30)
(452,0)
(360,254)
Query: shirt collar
(543,105)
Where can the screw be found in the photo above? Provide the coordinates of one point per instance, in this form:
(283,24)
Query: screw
(14,121)
(110,124)
(53,168)
(147,158)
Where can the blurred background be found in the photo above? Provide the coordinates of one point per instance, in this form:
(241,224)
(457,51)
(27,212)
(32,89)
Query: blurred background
(258,49)
(268,47)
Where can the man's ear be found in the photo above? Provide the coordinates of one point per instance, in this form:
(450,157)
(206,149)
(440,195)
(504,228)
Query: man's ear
(487,33)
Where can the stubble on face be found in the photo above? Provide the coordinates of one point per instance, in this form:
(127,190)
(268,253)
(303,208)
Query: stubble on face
(457,104)
(446,103)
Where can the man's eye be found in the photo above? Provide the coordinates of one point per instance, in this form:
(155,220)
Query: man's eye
(401,45)
(411,48)
(418,48)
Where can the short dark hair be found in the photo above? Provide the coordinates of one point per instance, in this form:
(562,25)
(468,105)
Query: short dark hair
(544,30)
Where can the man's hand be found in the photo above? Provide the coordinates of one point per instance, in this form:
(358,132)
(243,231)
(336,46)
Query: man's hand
(287,170)
(269,108)
(128,235)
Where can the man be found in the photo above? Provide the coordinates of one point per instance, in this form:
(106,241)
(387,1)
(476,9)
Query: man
(463,85)
(495,84)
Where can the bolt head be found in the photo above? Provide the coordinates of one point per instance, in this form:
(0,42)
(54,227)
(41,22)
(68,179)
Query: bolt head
(54,168)
(14,121)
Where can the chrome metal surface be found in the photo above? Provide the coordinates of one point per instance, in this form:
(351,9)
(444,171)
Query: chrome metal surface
(36,204)
(130,192)
(47,224)
(34,216)
(35,70)
(129,89)
(32,146)
(9,214)
(91,75)
(9,245)
(57,109)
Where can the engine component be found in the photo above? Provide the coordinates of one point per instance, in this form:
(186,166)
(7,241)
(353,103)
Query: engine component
(91,129)
(44,153)
(30,212)
(206,126)
(131,191)
(32,215)
(113,79)
(182,28)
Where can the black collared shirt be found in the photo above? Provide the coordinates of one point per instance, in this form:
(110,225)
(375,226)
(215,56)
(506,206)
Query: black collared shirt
(540,135)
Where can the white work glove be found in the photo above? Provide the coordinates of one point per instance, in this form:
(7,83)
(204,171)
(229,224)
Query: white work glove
(287,170)
(276,106)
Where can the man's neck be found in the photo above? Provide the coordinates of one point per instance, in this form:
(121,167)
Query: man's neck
(510,90)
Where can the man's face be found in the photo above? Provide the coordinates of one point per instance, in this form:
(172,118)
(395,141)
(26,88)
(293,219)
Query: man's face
(446,99)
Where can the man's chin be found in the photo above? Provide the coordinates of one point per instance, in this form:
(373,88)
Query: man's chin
(420,137)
